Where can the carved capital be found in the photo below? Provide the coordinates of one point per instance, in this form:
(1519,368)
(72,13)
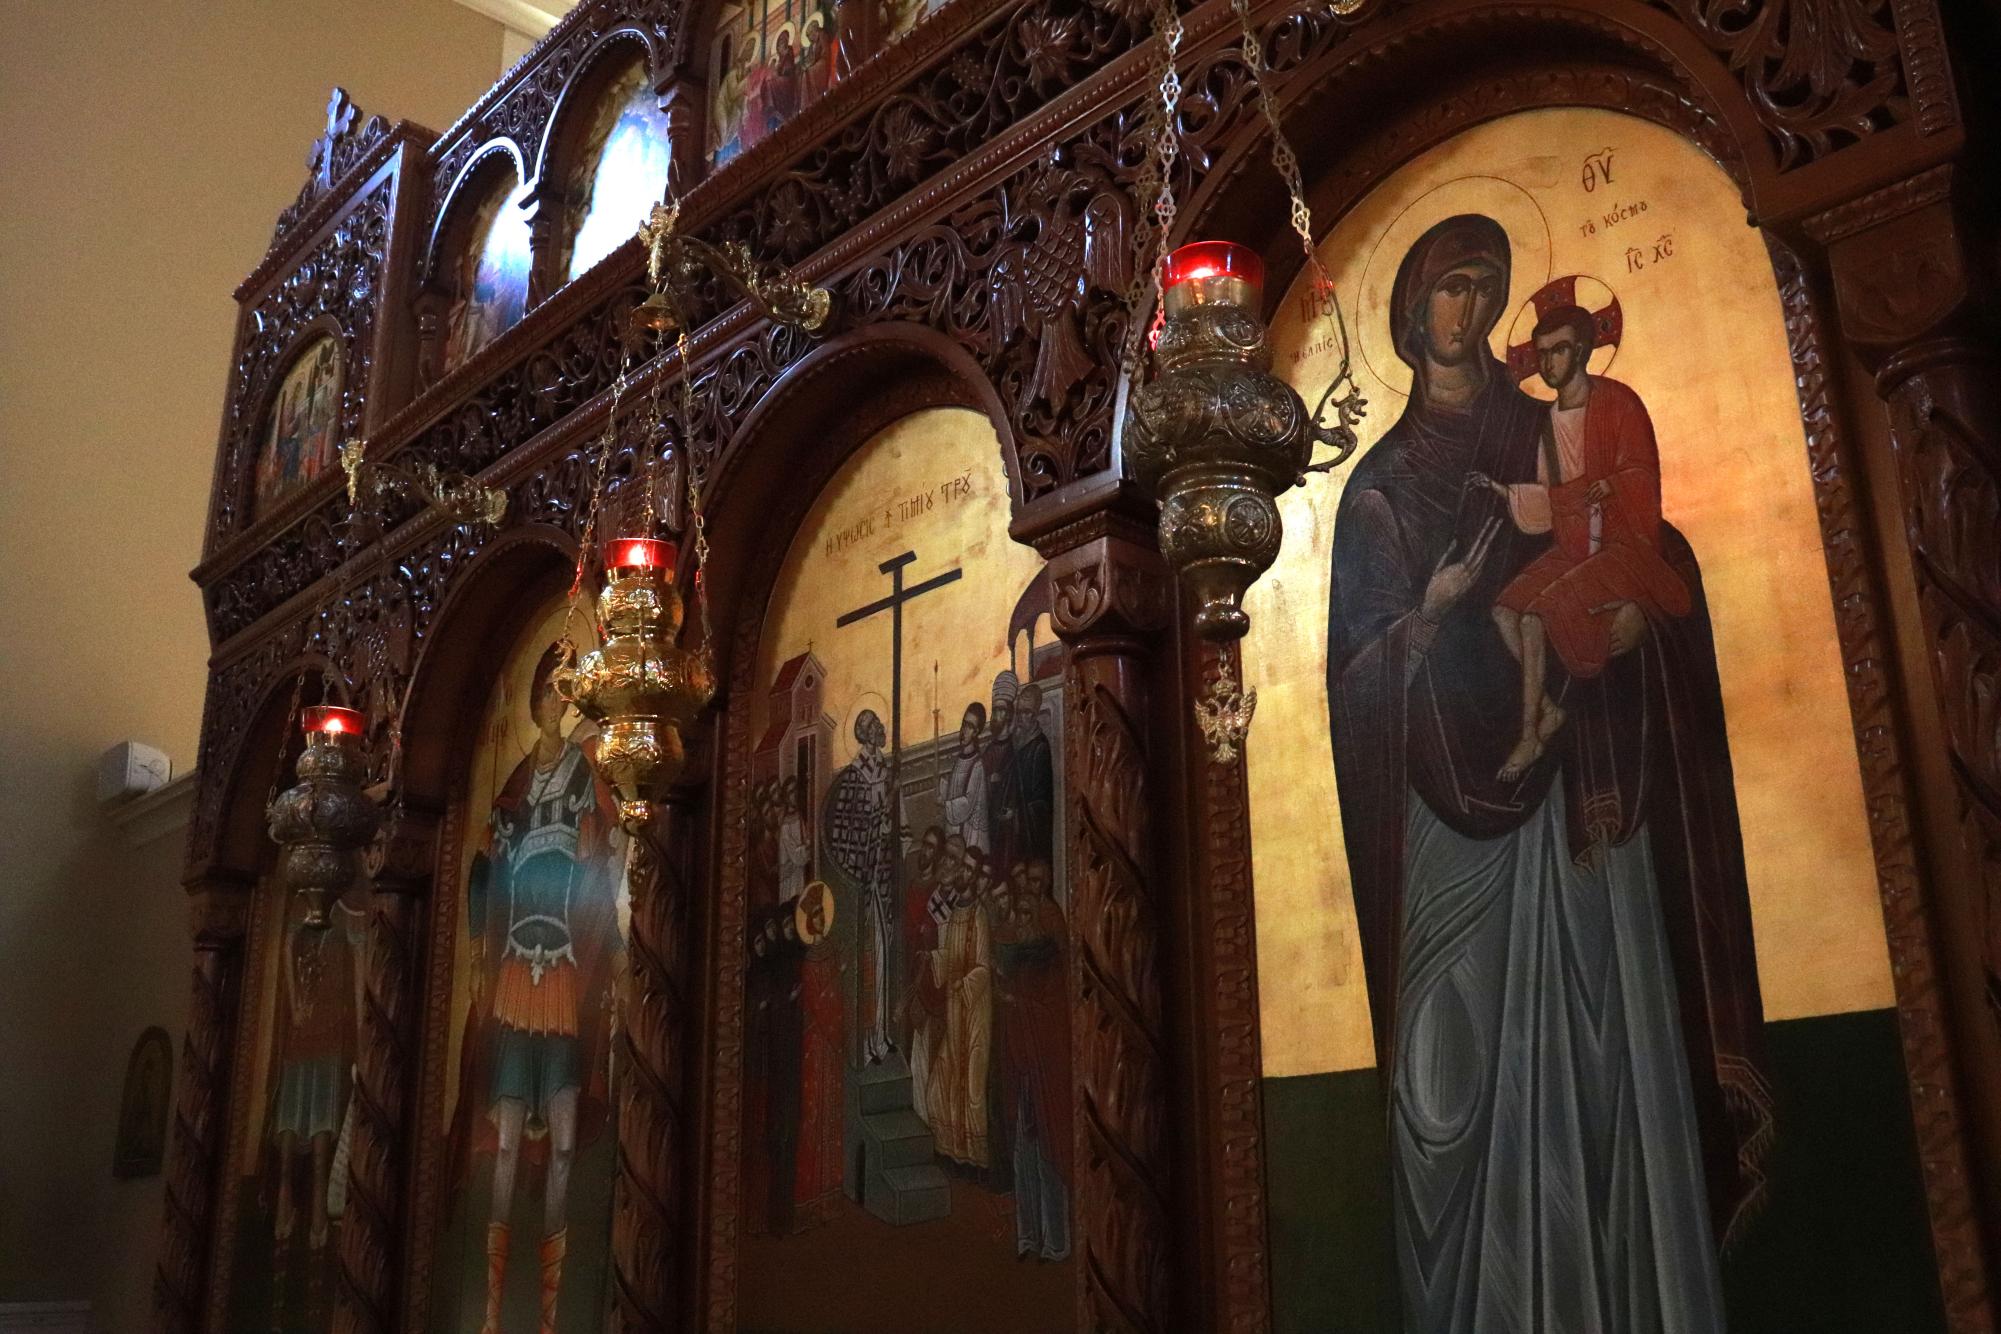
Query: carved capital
(219,910)
(403,856)
(1900,260)
(1110,588)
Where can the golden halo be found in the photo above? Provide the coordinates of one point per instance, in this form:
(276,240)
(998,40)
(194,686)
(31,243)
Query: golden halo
(1496,197)
(845,745)
(1595,296)
(816,891)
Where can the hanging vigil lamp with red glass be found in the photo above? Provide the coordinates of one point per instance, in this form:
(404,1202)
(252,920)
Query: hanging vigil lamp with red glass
(639,685)
(1214,436)
(324,820)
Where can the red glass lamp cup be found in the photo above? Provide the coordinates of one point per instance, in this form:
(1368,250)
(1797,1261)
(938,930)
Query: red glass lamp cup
(630,555)
(331,721)
(1202,272)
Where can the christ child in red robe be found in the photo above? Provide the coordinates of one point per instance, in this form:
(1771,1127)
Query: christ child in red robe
(1598,493)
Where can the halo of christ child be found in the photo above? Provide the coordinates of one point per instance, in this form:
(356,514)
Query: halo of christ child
(1546,859)
(1597,493)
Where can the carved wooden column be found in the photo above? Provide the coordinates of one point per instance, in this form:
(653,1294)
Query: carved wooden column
(1229,1065)
(1908,279)
(401,863)
(684,102)
(1111,593)
(546,209)
(221,912)
(646,1235)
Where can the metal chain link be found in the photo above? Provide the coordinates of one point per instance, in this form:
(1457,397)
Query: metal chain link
(285,739)
(1286,162)
(697,523)
(606,444)
(1155,185)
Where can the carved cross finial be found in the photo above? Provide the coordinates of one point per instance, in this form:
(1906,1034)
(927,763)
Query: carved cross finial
(341,114)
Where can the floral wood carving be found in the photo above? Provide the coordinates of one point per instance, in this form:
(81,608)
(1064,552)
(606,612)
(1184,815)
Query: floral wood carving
(1227,924)
(1867,656)
(1820,73)
(726,1035)
(1109,595)
(347,140)
(200,1111)
(339,283)
(652,1131)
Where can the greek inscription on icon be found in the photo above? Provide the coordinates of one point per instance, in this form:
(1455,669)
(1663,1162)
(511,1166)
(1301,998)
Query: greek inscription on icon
(1597,169)
(1658,252)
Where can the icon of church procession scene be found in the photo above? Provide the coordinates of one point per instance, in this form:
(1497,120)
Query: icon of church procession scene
(907,1045)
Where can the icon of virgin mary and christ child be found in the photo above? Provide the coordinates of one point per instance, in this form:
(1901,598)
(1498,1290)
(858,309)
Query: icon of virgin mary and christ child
(1541,828)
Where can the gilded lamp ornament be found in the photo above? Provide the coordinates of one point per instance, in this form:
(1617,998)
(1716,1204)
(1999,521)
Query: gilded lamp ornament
(639,686)
(324,821)
(1216,438)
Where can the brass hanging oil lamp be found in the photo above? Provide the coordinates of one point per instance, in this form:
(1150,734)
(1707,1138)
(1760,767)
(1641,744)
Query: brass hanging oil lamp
(324,820)
(1215,437)
(639,685)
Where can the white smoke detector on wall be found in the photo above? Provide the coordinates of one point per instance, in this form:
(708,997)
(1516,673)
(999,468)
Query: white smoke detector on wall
(131,769)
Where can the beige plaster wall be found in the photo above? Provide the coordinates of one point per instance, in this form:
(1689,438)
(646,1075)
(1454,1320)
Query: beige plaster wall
(145,150)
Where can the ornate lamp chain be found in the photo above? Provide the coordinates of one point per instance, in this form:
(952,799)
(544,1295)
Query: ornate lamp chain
(285,734)
(697,522)
(1347,404)
(1155,185)
(587,540)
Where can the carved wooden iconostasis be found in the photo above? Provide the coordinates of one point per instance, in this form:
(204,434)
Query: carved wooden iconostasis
(961,984)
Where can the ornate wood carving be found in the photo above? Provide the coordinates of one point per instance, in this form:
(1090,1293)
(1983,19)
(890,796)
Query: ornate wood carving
(336,285)
(334,154)
(647,1232)
(964,181)
(220,917)
(724,1093)
(1872,692)
(1225,927)
(1820,74)
(1111,594)
(400,866)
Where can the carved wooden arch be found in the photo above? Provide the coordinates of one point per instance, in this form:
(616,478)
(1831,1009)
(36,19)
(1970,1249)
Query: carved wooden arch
(561,141)
(840,396)
(263,401)
(581,91)
(449,227)
(483,607)
(1854,561)
(485,610)
(814,395)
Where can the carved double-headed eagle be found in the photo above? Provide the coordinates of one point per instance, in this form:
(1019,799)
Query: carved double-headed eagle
(1044,276)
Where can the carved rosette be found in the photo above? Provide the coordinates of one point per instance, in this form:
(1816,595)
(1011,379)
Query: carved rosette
(1110,593)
